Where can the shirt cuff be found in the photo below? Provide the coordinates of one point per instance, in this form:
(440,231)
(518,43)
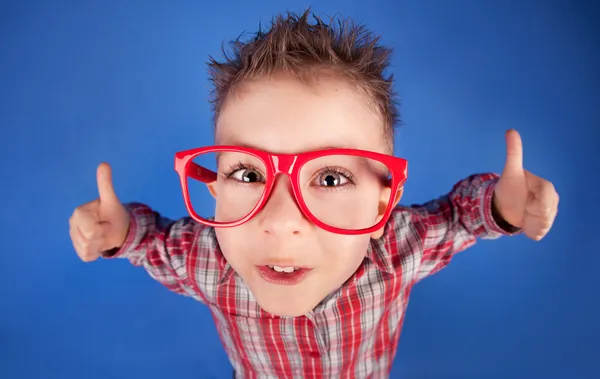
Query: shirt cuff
(493,222)
(118,252)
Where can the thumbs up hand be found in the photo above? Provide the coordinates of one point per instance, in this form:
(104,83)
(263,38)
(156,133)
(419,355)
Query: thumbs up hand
(523,199)
(101,224)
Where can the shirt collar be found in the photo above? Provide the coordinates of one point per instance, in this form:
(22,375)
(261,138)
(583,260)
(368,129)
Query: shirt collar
(224,266)
(380,256)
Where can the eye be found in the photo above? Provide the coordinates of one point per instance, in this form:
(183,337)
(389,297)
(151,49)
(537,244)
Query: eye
(247,176)
(332,179)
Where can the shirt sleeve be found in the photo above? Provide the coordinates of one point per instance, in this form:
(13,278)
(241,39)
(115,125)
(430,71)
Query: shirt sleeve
(163,247)
(452,223)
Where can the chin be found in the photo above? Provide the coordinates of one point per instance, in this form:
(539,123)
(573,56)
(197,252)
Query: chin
(287,308)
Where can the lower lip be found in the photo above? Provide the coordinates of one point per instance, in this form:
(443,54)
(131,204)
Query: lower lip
(283,278)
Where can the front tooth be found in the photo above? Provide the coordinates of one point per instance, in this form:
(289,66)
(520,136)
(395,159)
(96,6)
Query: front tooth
(283,269)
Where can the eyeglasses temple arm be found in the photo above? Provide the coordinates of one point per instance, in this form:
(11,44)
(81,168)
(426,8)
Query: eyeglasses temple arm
(200,173)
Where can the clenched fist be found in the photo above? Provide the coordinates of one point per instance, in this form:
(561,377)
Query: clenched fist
(523,199)
(102,224)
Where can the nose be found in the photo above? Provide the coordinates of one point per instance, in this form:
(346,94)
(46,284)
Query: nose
(281,215)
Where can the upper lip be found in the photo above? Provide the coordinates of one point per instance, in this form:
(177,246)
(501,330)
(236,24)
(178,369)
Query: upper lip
(282,264)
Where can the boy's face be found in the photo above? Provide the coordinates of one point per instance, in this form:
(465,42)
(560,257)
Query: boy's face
(282,115)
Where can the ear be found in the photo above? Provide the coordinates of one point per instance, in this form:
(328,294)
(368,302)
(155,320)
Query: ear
(212,188)
(385,195)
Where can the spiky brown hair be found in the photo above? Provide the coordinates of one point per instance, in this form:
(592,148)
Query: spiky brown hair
(293,45)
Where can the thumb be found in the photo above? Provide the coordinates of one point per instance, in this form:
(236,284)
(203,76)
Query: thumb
(514,155)
(106,190)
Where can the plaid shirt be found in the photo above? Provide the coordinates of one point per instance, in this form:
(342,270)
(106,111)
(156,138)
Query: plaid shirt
(354,332)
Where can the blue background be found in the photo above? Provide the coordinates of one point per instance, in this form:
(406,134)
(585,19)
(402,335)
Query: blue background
(125,82)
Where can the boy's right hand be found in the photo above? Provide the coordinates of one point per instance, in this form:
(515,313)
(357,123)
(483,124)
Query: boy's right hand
(102,224)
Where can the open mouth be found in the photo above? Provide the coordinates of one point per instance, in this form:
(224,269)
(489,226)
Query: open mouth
(283,275)
(288,270)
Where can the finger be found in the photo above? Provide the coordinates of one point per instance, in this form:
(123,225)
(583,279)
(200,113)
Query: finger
(540,208)
(80,244)
(514,154)
(97,232)
(537,235)
(533,178)
(87,249)
(106,189)
(81,233)
(86,223)
(537,227)
(542,189)
(75,237)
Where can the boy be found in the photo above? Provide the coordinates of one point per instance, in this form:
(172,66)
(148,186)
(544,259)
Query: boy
(308,263)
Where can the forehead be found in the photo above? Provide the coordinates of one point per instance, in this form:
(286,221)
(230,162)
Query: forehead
(283,115)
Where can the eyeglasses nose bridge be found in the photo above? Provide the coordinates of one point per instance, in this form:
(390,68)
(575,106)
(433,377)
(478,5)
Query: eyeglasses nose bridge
(283,163)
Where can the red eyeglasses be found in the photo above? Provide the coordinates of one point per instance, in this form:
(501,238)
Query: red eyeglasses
(344,191)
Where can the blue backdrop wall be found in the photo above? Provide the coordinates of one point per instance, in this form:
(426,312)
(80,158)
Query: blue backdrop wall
(125,82)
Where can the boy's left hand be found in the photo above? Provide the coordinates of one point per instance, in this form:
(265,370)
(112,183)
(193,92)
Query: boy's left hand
(524,200)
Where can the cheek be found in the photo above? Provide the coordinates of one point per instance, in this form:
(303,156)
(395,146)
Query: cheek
(344,254)
(356,209)
(235,201)
(362,209)
(233,246)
